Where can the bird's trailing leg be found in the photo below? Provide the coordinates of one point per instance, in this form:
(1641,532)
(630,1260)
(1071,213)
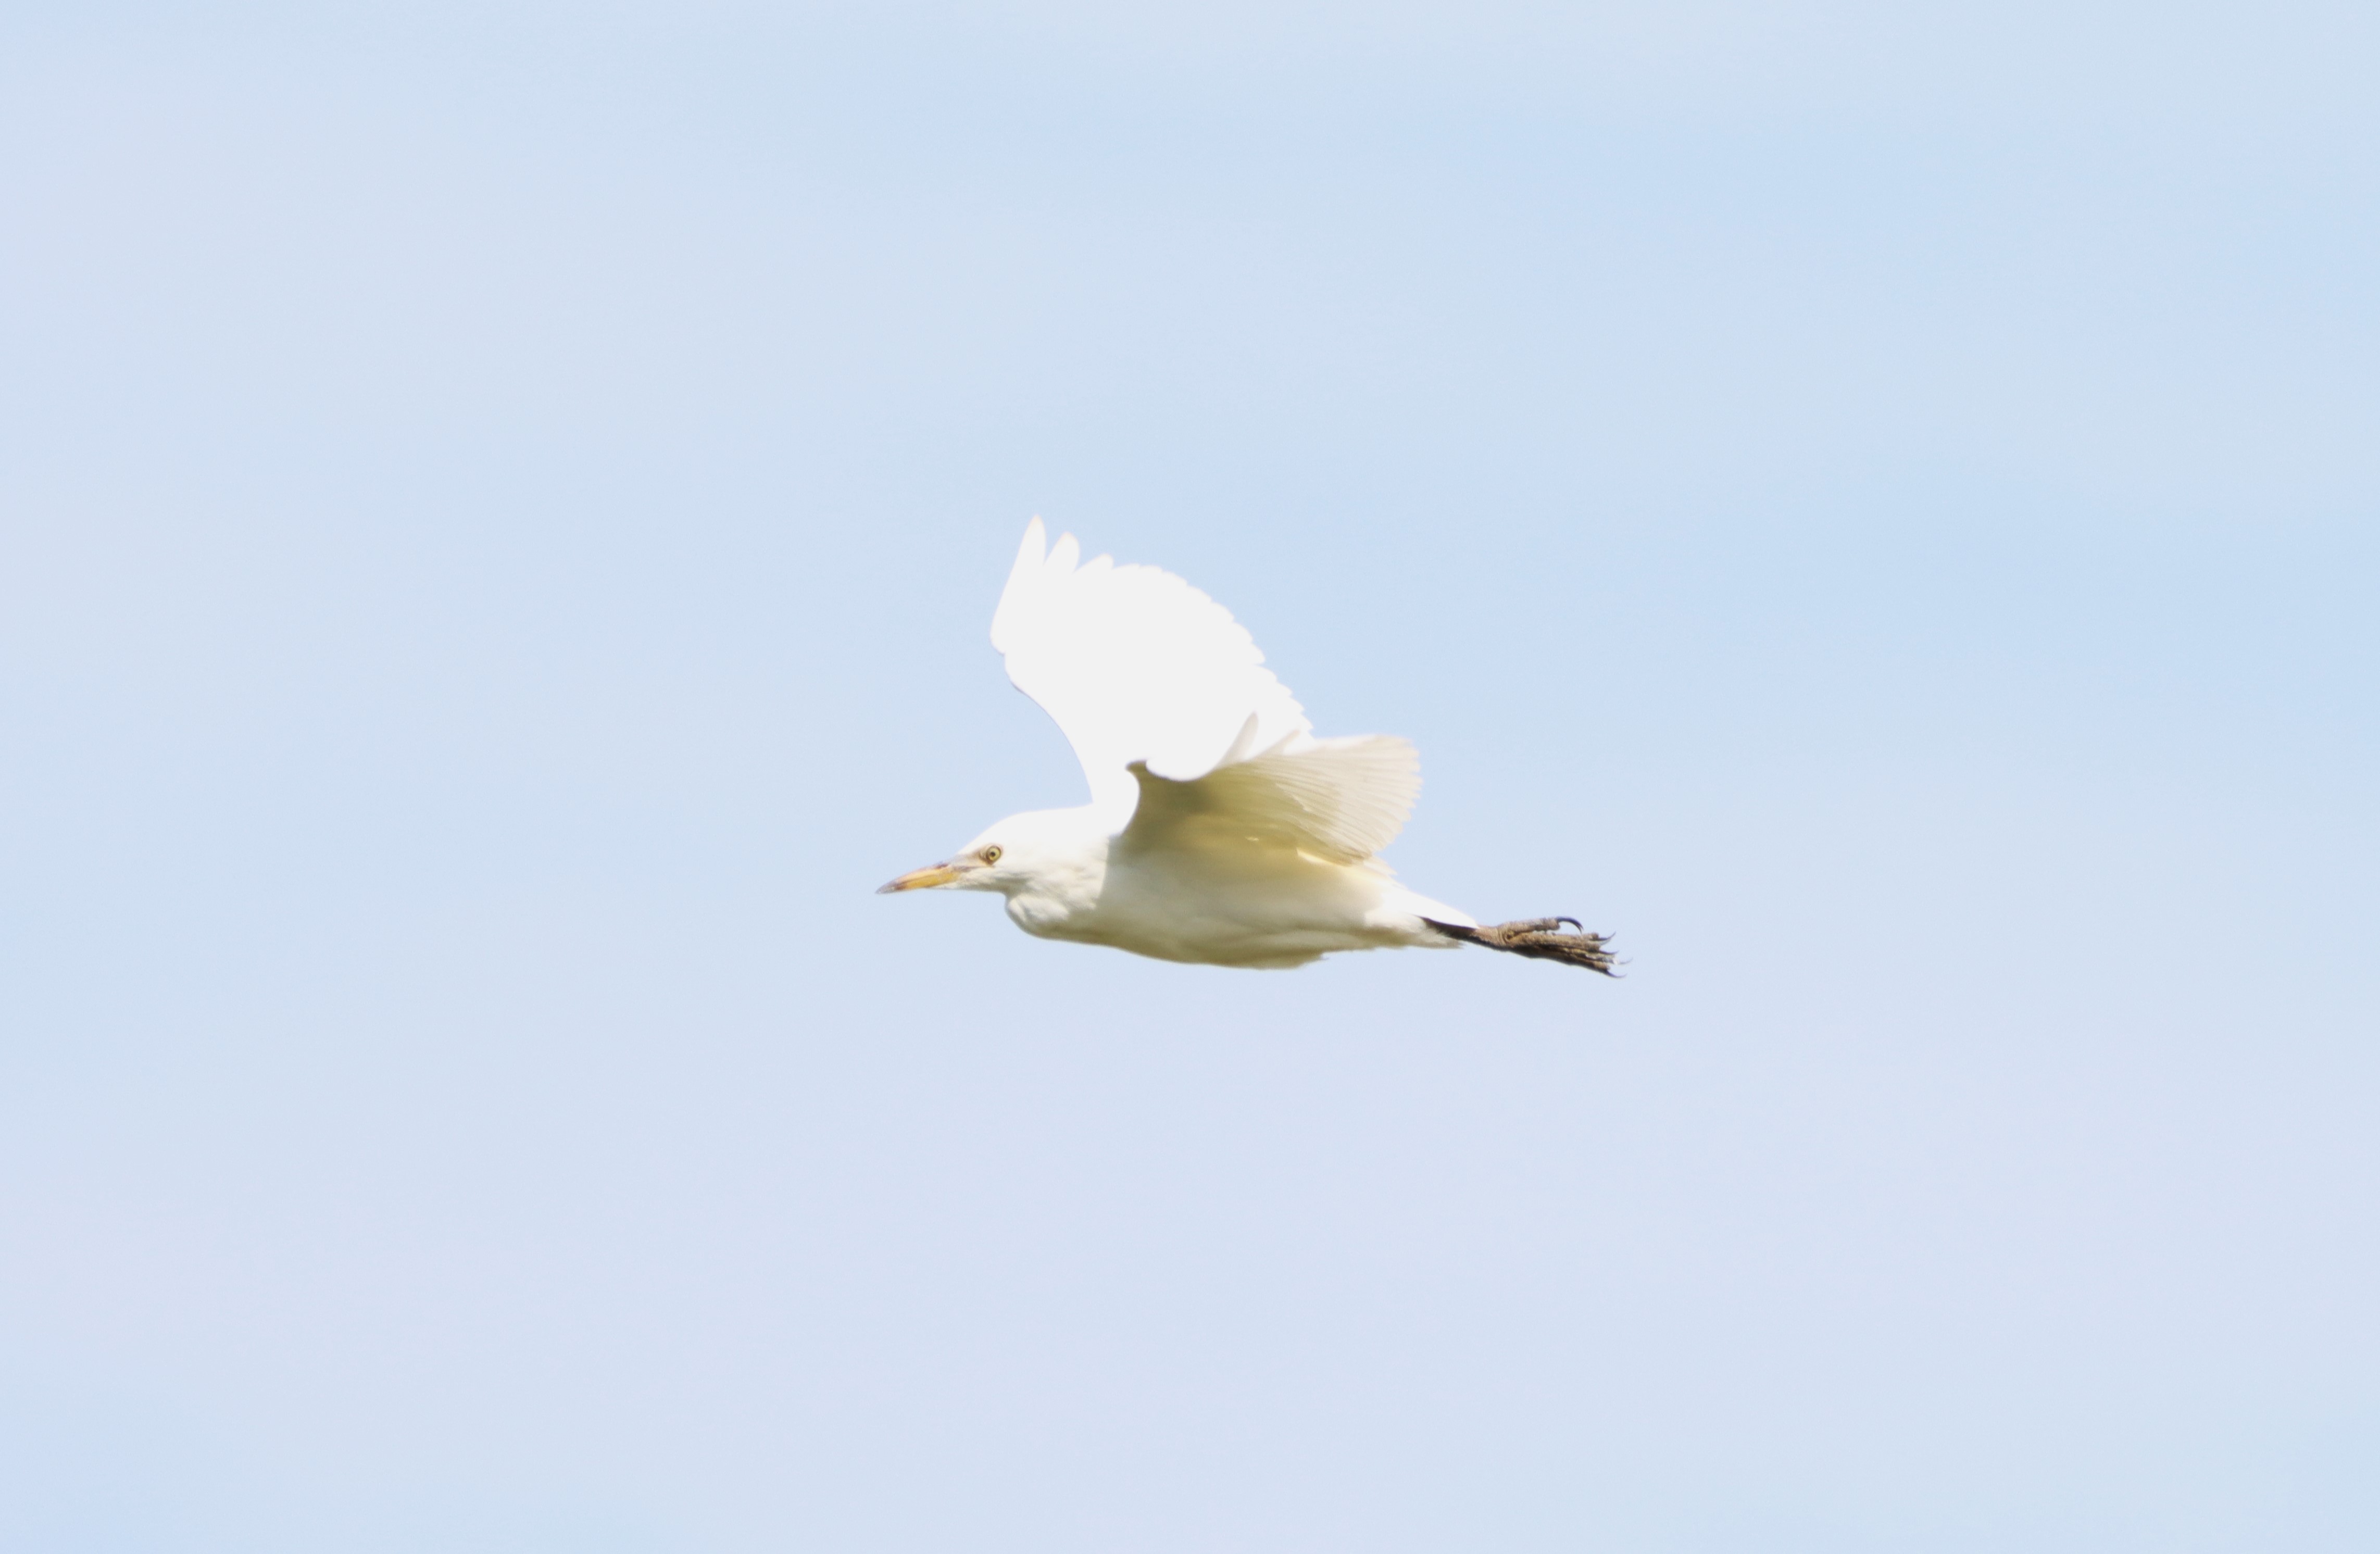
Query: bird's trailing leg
(1540,939)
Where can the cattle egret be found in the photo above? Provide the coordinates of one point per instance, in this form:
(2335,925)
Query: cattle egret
(1220,830)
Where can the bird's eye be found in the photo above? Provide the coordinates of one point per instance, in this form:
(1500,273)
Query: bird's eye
(990,855)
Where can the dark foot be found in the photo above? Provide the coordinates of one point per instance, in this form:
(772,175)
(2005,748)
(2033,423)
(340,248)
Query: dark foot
(1540,939)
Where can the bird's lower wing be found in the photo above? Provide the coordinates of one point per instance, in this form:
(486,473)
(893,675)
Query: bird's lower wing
(1338,799)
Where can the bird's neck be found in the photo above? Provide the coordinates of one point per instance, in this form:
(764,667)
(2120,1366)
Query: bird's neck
(1067,884)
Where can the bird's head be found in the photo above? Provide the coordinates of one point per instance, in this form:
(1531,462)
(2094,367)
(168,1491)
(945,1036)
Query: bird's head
(1014,854)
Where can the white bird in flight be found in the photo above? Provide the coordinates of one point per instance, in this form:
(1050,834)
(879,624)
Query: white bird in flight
(1220,830)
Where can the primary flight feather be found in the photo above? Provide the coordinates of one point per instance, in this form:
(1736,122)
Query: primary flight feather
(1221,830)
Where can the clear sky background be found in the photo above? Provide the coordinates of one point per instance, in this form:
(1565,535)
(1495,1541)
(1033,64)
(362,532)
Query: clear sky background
(499,507)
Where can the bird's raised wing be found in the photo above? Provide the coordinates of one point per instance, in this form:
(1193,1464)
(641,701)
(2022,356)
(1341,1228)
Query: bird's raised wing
(1338,799)
(1135,665)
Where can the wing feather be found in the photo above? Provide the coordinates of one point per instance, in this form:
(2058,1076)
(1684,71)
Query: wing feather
(1338,799)
(1135,665)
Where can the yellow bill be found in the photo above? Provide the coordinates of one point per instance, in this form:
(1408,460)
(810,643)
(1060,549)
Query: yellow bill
(921,879)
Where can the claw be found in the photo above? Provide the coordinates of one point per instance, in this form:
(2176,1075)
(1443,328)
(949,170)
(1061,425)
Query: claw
(1540,939)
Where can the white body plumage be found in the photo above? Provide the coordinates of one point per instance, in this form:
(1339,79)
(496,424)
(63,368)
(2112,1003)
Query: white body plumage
(1067,877)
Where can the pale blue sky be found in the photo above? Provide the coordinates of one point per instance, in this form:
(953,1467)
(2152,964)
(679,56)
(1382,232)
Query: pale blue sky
(499,507)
